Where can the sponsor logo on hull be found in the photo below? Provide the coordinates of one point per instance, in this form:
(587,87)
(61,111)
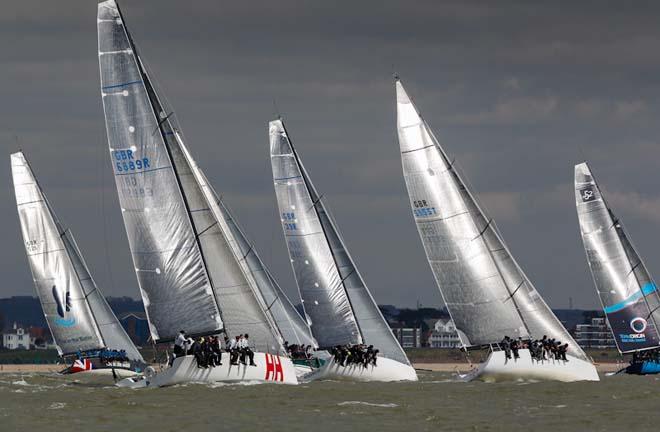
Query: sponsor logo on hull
(274,370)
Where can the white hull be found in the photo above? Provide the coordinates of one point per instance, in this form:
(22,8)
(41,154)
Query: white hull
(498,368)
(386,371)
(269,369)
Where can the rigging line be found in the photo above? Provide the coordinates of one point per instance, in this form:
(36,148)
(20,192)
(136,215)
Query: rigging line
(273,303)
(515,291)
(632,269)
(316,201)
(160,123)
(248,252)
(206,229)
(651,312)
(483,230)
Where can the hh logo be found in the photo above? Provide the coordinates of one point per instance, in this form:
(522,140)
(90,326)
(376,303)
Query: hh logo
(274,370)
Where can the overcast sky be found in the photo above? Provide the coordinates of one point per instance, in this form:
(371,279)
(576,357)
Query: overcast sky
(517,92)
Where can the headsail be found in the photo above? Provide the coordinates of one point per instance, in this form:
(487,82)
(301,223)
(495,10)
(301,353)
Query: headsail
(188,274)
(486,292)
(626,290)
(289,322)
(335,297)
(76,312)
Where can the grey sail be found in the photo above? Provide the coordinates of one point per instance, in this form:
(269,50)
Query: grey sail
(626,290)
(292,326)
(486,292)
(174,284)
(278,313)
(335,298)
(76,312)
(188,275)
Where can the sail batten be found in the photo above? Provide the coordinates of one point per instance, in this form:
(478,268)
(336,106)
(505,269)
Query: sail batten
(487,294)
(627,292)
(335,297)
(78,316)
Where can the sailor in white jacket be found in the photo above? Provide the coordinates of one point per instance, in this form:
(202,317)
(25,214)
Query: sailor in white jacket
(246,351)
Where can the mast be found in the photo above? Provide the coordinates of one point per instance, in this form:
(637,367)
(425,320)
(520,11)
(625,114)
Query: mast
(332,289)
(169,262)
(78,316)
(175,226)
(316,201)
(158,113)
(627,292)
(487,293)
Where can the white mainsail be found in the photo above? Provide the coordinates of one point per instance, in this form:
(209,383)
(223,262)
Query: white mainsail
(77,314)
(188,274)
(335,298)
(486,292)
(626,290)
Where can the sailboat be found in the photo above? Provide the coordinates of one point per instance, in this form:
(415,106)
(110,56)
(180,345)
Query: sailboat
(85,330)
(487,294)
(190,276)
(335,299)
(627,292)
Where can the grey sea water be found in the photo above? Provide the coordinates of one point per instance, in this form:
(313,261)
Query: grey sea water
(38,402)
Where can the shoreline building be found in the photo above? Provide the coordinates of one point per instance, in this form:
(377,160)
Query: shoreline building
(17,338)
(595,334)
(443,335)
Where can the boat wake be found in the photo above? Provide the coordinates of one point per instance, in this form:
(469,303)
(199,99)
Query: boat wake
(371,404)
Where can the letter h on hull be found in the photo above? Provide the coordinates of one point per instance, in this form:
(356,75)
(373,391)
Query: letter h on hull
(274,371)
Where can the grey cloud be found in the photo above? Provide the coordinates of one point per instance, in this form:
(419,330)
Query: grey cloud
(513,90)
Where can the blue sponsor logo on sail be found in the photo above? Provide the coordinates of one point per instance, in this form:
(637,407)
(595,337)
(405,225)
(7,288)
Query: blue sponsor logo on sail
(63,306)
(647,289)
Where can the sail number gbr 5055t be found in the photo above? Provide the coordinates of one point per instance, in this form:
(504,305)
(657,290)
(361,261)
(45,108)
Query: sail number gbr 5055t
(125,161)
(422,209)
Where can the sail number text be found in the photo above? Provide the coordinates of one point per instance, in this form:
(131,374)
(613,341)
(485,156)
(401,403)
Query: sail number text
(289,221)
(125,161)
(422,209)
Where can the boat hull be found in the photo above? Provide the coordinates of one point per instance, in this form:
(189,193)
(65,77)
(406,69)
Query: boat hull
(387,370)
(498,368)
(270,369)
(643,368)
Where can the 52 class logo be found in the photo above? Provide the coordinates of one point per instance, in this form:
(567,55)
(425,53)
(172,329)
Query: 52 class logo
(63,306)
(587,194)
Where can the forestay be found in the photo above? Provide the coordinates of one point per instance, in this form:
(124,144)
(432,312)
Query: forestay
(188,275)
(335,298)
(628,294)
(486,292)
(76,312)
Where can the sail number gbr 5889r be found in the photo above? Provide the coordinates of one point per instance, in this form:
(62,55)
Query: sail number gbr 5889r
(422,209)
(125,161)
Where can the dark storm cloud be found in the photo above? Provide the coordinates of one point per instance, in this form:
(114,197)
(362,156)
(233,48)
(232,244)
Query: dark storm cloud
(518,92)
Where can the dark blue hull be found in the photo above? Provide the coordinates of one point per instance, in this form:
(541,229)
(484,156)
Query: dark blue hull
(644,368)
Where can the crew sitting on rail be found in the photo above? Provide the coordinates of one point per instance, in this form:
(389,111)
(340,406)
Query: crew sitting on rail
(298,352)
(355,354)
(652,355)
(245,350)
(233,350)
(105,355)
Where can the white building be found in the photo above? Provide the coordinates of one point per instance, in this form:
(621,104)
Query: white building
(17,338)
(444,335)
